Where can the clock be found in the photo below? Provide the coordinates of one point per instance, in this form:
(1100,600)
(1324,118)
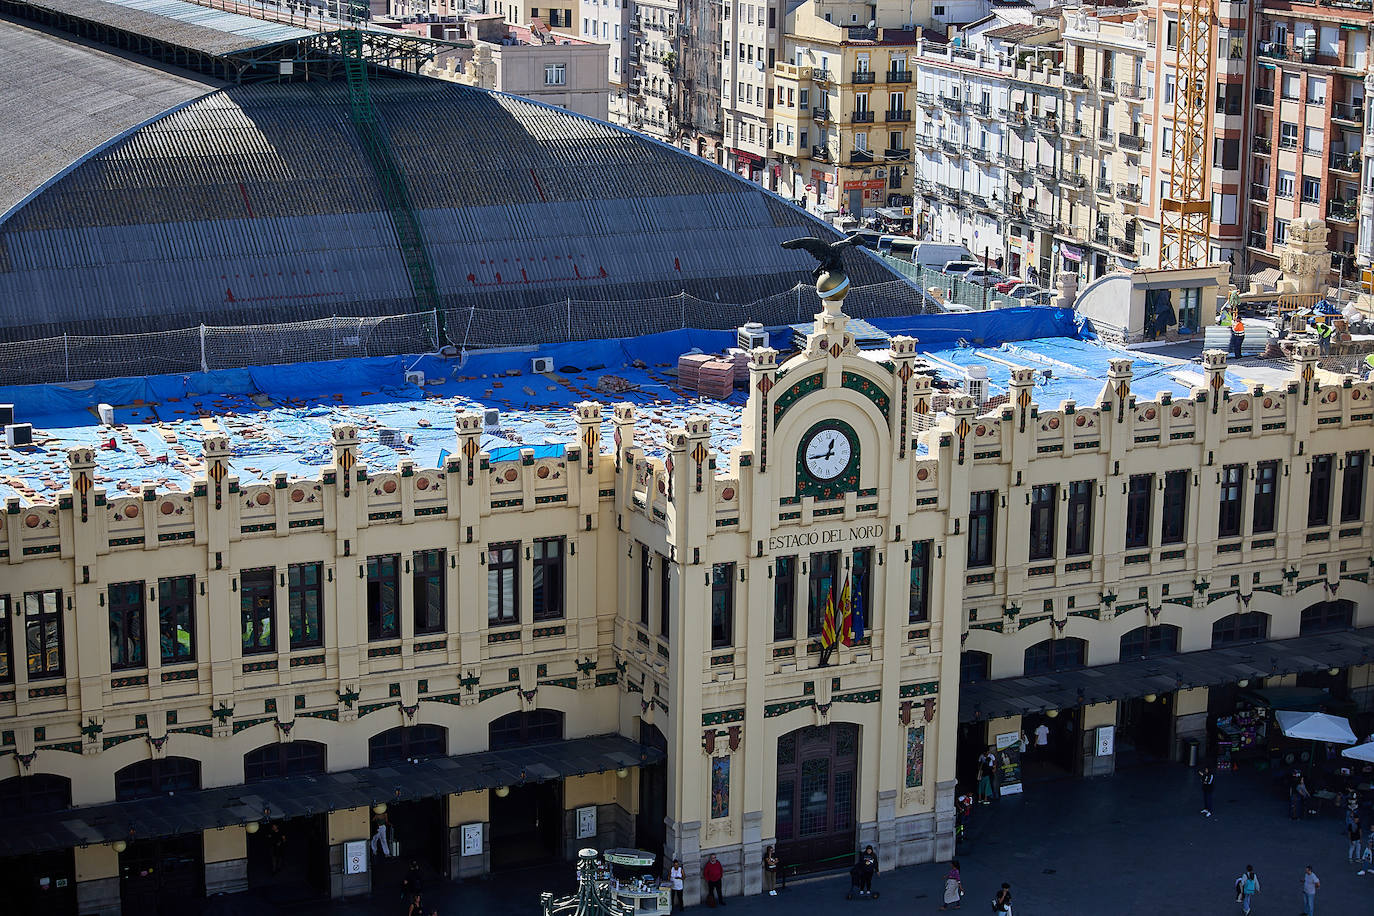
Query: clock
(827,453)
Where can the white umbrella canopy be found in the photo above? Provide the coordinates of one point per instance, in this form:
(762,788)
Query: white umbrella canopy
(1315,726)
(1363,752)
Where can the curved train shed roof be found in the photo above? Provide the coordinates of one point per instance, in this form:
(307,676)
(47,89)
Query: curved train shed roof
(259,203)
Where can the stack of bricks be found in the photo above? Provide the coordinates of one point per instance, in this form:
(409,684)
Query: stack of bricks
(717,379)
(689,369)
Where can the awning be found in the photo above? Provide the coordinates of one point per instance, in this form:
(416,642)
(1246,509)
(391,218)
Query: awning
(302,796)
(1363,752)
(1014,696)
(1314,726)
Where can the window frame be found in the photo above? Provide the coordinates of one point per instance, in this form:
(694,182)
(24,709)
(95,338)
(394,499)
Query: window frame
(383,571)
(1078,539)
(645,568)
(251,595)
(1231,508)
(918,582)
(1139,510)
(429,581)
(6,638)
(1044,499)
(722,605)
(665,604)
(170,605)
(785,598)
(1173,523)
(127,612)
(544,566)
(1241,628)
(820,564)
(982,528)
(1264,512)
(1319,483)
(506,609)
(297,591)
(1352,486)
(1151,643)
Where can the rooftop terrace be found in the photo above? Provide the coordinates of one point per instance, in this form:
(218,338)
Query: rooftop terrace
(278,418)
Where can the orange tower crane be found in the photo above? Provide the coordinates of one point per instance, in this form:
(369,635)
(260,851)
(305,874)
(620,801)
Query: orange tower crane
(1186,210)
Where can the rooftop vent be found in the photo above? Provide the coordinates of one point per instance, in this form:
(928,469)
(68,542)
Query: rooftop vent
(751,335)
(976,384)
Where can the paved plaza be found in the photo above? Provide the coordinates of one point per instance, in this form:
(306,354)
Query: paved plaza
(1134,843)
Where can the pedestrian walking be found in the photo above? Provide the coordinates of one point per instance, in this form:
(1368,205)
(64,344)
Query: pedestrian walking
(1207,777)
(675,881)
(712,872)
(1310,885)
(1356,836)
(869,863)
(1247,886)
(416,908)
(954,887)
(1042,739)
(277,847)
(1002,902)
(986,762)
(770,872)
(379,843)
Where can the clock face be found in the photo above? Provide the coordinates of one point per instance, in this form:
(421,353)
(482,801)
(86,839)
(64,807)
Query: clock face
(827,454)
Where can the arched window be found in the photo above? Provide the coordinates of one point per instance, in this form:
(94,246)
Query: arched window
(1144,642)
(1056,655)
(294,758)
(405,742)
(1240,628)
(974,666)
(518,729)
(40,793)
(1328,616)
(150,778)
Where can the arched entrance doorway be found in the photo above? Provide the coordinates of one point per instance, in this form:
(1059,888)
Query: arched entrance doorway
(818,784)
(418,827)
(162,874)
(527,820)
(650,829)
(289,855)
(43,882)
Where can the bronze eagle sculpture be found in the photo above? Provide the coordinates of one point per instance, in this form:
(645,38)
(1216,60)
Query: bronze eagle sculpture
(828,255)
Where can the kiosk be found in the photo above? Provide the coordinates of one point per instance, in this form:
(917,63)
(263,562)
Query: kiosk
(632,875)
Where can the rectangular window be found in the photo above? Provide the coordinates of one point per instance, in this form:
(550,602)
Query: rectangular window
(1228,517)
(918,602)
(548,579)
(6,641)
(1080,528)
(1311,190)
(176,618)
(258,604)
(1173,527)
(428,590)
(1189,307)
(1284,186)
(304,598)
(1288,135)
(982,524)
(1352,487)
(1266,496)
(644,586)
(1043,499)
(503,584)
(126,625)
(1138,509)
(860,592)
(821,589)
(555,74)
(785,598)
(722,605)
(1319,491)
(43,633)
(1312,139)
(664,604)
(384,597)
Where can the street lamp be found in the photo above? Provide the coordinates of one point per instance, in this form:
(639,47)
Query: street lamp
(593,897)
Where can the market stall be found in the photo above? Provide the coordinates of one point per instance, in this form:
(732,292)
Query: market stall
(632,876)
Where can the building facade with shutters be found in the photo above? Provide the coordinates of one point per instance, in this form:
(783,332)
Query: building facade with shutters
(507,659)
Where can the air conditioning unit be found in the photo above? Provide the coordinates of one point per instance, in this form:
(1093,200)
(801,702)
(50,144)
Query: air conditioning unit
(19,434)
(880,173)
(106,412)
(976,384)
(751,335)
(491,419)
(541,365)
(6,415)
(415,377)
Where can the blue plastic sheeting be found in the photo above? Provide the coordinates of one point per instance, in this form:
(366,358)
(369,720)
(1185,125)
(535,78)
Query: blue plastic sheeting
(278,418)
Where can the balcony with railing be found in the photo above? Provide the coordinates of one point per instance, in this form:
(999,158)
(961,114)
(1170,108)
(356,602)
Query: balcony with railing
(951,103)
(1128,192)
(860,156)
(897,115)
(1045,171)
(1258,238)
(1045,123)
(1133,142)
(1264,97)
(1106,135)
(1102,237)
(1259,192)
(1106,85)
(981,110)
(1346,162)
(1124,246)
(1104,187)
(1077,81)
(899,76)
(1041,220)
(1017,118)
(1074,129)
(1073,179)
(926,141)
(1343,211)
(820,153)
(977,201)
(863,77)
(1262,145)
(897,155)
(821,76)
(952,149)
(1342,111)
(1015,212)
(979,155)
(820,114)
(926,100)
(864,116)
(1131,91)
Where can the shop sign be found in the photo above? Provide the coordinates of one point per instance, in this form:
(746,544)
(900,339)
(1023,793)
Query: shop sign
(355,857)
(817,175)
(472,839)
(1106,740)
(1072,254)
(839,535)
(586,822)
(867,184)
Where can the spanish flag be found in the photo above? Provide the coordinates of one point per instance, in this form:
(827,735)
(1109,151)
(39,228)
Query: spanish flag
(828,622)
(846,616)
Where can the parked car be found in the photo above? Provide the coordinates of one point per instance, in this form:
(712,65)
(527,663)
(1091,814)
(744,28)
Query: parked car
(1021,290)
(959,268)
(934,254)
(1043,297)
(1008,283)
(987,276)
(868,238)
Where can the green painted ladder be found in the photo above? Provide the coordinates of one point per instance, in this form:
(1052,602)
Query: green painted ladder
(392,182)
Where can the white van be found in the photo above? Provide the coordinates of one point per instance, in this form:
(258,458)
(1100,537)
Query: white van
(897,246)
(934,255)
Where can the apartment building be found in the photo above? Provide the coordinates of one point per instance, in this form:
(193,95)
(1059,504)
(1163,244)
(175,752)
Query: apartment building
(843,115)
(654,61)
(751,38)
(1106,96)
(559,17)
(1309,126)
(609,24)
